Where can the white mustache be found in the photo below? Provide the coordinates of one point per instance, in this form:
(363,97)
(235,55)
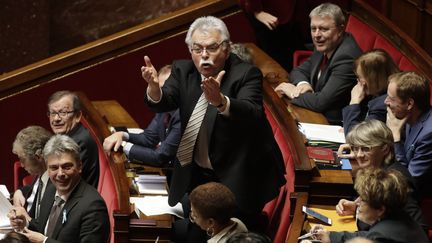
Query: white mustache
(203,62)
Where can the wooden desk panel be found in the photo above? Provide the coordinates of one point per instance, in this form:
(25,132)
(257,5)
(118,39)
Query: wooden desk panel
(114,114)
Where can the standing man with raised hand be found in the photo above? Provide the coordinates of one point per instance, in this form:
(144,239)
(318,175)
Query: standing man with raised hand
(64,113)
(323,83)
(225,134)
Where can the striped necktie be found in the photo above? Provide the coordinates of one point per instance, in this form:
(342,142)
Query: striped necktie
(54,215)
(187,142)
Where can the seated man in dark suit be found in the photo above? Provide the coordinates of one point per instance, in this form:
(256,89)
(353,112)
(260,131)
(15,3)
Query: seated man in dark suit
(157,145)
(323,83)
(28,146)
(64,112)
(409,116)
(77,213)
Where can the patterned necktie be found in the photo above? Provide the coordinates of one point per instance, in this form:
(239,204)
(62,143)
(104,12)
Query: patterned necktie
(38,198)
(55,213)
(187,142)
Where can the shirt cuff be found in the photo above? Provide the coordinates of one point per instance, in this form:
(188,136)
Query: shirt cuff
(127,147)
(150,99)
(302,82)
(46,238)
(227,107)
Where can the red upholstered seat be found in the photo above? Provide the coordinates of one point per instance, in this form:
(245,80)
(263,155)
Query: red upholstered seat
(106,185)
(277,211)
(21,177)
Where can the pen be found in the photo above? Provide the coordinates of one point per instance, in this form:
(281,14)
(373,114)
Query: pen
(157,240)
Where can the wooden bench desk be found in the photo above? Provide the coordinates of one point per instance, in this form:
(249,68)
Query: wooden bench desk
(129,226)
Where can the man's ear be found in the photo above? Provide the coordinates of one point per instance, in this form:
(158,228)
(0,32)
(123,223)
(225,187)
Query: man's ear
(410,104)
(78,116)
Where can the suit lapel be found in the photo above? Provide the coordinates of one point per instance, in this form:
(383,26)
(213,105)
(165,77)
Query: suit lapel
(413,132)
(46,205)
(73,199)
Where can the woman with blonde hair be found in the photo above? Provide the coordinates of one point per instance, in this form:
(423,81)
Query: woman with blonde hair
(382,194)
(367,98)
(371,144)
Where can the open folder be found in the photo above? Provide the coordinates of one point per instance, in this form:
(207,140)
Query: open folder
(5,207)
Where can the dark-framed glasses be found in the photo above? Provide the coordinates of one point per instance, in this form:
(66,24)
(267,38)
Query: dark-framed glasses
(61,114)
(211,49)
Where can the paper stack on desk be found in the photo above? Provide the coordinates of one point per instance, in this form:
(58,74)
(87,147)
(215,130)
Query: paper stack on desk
(319,132)
(156,205)
(152,184)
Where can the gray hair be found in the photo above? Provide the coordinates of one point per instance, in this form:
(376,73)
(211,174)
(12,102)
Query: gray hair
(60,144)
(373,133)
(32,140)
(206,24)
(242,52)
(60,94)
(331,10)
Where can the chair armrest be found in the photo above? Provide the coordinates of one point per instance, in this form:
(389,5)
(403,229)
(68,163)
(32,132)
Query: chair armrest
(298,199)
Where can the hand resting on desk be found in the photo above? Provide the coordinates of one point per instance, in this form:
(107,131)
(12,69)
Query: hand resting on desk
(292,91)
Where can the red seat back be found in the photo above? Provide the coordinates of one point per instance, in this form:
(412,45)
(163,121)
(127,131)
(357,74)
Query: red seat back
(106,185)
(21,177)
(277,211)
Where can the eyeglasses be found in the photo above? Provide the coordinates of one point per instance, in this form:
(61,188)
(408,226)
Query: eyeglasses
(364,149)
(61,114)
(211,49)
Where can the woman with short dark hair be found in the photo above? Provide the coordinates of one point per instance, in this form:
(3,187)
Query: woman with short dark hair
(212,208)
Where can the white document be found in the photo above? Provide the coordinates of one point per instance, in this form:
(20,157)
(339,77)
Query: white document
(4,191)
(5,207)
(156,205)
(152,188)
(330,133)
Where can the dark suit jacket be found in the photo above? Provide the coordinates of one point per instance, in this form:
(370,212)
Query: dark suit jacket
(397,228)
(88,154)
(86,217)
(415,152)
(242,149)
(332,89)
(354,114)
(27,190)
(145,148)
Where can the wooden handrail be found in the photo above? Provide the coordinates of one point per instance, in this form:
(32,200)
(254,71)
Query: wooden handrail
(117,159)
(110,47)
(288,127)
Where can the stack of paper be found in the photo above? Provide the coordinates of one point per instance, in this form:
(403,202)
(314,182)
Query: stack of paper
(152,184)
(156,205)
(318,132)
